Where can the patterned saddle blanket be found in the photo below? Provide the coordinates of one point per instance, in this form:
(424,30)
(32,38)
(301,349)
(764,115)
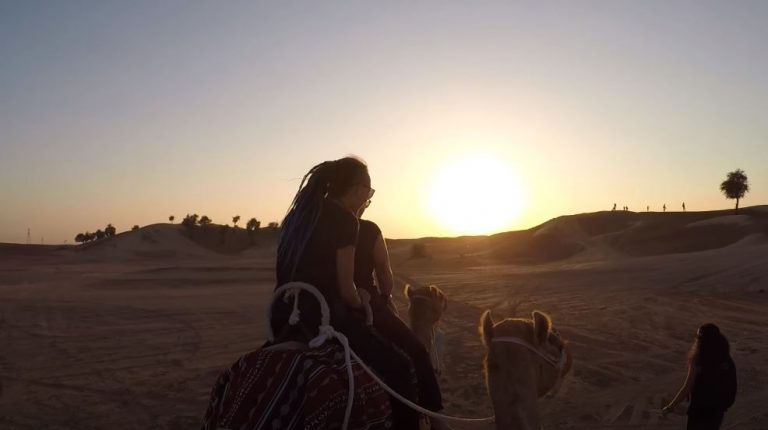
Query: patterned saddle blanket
(288,388)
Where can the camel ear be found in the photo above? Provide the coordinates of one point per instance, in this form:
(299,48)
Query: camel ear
(486,328)
(440,295)
(407,291)
(541,326)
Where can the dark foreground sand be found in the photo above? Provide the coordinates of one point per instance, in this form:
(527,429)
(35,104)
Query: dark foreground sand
(123,340)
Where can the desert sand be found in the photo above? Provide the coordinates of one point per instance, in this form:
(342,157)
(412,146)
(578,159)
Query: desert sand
(131,332)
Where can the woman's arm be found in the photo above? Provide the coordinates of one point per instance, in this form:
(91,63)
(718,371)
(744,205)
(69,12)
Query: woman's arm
(384,276)
(684,391)
(345,272)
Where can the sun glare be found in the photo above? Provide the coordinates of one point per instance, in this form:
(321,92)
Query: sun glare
(476,195)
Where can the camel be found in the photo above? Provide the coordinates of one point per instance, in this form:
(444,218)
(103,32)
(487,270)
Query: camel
(525,359)
(426,307)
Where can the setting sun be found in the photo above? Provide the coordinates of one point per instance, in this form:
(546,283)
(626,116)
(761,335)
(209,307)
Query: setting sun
(476,195)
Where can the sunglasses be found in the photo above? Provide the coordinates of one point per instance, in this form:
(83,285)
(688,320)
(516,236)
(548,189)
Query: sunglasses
(371,191)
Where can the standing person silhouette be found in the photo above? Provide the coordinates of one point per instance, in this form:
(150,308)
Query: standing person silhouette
(711,380)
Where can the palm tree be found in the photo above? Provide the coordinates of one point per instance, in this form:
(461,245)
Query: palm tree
(235,219)
(80,238)
(171,218)
(735,186)
(100,234)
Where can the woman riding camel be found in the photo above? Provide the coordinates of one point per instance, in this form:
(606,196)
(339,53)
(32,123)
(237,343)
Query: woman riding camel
(711,380)
(371,256)
(317,246)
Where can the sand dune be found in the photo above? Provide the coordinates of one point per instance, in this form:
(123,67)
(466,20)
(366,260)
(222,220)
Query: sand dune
(601,235)
(130,333)
(153,241)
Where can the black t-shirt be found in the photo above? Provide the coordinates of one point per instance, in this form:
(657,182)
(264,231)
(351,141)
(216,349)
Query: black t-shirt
(336,228)
(364,260)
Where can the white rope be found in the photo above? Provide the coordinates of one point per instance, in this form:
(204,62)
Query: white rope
(325,313)
(437,348)
(518,341)
(295,313)
(326,332)
(433,351)
(558,364)
(365,298)
(412,405)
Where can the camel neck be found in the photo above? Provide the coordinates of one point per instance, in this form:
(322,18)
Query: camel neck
(515,405)
(424,331)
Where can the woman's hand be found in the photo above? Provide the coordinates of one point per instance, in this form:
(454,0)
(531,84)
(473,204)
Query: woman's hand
(669,409)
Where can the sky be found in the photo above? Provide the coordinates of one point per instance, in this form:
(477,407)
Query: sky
(128,112)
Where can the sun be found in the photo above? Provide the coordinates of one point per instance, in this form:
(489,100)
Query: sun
(476,195)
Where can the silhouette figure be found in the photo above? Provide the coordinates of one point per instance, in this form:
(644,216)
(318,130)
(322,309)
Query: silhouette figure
(711,383)
(648,208)
(683,206)
(665,207)
(614,207)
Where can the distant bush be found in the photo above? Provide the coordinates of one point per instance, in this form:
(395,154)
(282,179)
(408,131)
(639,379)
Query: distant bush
(108,231)
(253,224)
(189,221)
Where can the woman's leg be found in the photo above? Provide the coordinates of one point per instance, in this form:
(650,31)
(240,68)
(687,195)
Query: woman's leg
(391,364)
(391,327)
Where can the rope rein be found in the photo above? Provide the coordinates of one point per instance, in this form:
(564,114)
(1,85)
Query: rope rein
(326,332)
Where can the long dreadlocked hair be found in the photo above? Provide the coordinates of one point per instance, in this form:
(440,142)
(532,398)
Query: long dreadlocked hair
(711,347)
(327,179)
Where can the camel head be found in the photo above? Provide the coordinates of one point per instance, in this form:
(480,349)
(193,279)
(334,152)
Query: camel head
(426,304)
(525,360)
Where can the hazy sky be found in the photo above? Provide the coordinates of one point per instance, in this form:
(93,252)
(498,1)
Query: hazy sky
(129,112)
